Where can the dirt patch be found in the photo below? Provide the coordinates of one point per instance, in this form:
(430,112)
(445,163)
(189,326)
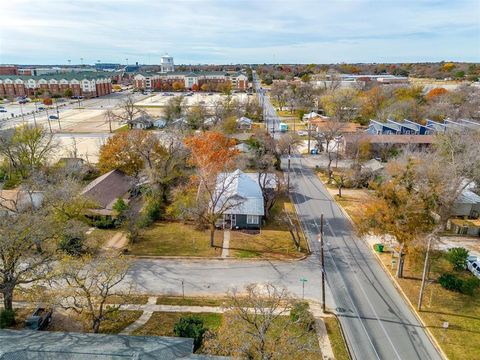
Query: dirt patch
(116,242)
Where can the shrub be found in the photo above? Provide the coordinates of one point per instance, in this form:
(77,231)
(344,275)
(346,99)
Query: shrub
(457,257)
(153,211)
(72,245)
(469,285)
(300,313)
(191,327)
(7,318)
(104,222)
(453,283)
(450,282)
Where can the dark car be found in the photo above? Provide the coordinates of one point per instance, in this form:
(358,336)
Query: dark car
(40,108)
(23,101)
(40,319)
(53,117)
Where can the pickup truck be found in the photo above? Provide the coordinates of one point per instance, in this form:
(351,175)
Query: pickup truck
(473,264)
(40,319)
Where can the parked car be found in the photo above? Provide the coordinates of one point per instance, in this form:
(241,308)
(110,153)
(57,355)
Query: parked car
(23,101)
(302,133)
(40,108)
(473,264)
(210,94)
(40,319)
(53,117)
(3,110)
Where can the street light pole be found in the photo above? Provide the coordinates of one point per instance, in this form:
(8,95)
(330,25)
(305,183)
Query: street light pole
(323,263)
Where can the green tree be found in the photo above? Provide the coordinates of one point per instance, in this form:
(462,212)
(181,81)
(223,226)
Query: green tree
(68,93)
(191,327)
(457,257)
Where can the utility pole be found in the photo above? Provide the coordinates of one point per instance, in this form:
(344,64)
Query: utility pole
(424,275)
(323,264)
(48,119)
(288,173)
(308,131)
(58,114)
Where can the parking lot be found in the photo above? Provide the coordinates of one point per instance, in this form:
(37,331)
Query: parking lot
(159,99)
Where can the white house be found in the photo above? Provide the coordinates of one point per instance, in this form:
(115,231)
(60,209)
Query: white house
(244,123)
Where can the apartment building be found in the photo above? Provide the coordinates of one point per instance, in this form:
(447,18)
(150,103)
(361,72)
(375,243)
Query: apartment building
(89,84)
(190,80)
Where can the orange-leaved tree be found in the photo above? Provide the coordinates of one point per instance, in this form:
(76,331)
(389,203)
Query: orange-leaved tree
(130,152)
(212,154)
(436,92)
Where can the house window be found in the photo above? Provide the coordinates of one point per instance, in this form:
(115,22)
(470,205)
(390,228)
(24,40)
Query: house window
(252,219)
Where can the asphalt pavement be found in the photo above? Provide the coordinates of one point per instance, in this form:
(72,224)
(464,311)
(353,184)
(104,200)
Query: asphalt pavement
(377,321)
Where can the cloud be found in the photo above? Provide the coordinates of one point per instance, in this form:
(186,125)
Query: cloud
(232,31)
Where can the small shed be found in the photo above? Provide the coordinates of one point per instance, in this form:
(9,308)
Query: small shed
(142,122)
(159,123)
(244,123)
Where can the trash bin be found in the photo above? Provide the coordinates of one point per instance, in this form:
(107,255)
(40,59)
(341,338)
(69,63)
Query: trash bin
(378,247)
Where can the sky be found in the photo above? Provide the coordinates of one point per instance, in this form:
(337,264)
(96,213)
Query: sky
(238,31)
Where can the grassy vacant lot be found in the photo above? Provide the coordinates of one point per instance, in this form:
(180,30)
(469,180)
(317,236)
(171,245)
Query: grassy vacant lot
(162,323)
(336,338)
(273,241)
(175,239)
(461,340)
(190,301)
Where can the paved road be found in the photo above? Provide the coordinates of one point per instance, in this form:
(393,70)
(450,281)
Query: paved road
(376,320)
(216,277)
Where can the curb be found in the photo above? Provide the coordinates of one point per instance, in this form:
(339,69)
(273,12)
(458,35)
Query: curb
(397,286)
(153,257)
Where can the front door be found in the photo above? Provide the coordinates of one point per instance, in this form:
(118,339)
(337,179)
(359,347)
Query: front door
(233,221)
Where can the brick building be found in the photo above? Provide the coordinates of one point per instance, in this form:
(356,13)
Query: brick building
(8,70)
(89,84)
(155,81)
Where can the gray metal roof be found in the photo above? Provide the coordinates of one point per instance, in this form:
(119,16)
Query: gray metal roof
(242,192)
(45,345)
(468,197)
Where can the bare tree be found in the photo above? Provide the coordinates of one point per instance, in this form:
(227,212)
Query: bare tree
(328,139)
(85,285)
(128,111)
(20,261)
(258,326)
(26,148)
(279,93)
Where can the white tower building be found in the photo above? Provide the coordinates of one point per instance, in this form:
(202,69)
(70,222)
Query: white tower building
(166,64)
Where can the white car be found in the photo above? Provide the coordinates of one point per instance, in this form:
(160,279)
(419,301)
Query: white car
(302,133)
(473,264)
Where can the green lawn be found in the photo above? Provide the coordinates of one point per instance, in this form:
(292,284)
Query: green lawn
(127,299)
(274,239)
(175,239)
(162,323)
(336,338)
(462,338)
(119,321)
(190,301)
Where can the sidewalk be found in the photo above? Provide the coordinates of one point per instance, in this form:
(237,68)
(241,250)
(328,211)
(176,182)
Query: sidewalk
(226,243)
